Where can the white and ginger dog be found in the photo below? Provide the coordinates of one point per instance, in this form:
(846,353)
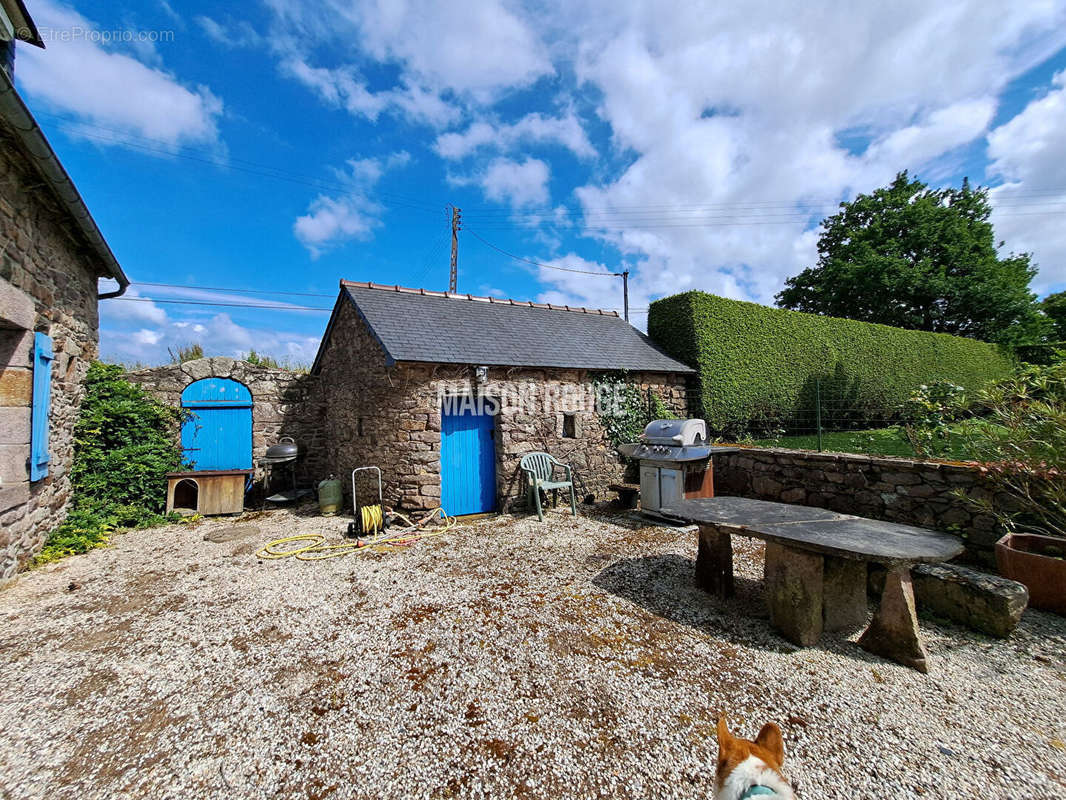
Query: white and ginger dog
(751,770)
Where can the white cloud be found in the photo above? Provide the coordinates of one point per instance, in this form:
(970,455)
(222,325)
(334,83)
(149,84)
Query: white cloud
(122,340)
(230,34)
(535,128)
(134,310)
(521,184)
(479,49)
(731,119)
(1029,154)
(78,76)
(352,215)
(343,87)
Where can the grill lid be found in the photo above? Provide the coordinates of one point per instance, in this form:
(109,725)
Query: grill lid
(676,432)
(285,449)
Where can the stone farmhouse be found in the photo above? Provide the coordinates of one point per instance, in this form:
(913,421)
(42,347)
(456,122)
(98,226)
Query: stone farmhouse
(52,256)
(446,393)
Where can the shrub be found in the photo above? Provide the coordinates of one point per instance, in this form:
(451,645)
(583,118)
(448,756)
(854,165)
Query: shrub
(928,415)
(624,411)
(1021,442)
(759,363)
(124,443)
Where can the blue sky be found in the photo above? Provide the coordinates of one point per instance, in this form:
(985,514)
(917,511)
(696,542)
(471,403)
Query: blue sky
(279,145)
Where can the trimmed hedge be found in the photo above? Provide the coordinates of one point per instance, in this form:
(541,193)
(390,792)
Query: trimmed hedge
(757,366)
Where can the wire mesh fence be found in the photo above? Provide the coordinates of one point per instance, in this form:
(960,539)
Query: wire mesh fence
(828,415)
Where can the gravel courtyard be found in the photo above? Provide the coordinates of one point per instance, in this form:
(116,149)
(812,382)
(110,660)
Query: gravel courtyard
(505,659)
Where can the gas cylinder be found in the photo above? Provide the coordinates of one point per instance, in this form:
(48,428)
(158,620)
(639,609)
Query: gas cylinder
(329,496)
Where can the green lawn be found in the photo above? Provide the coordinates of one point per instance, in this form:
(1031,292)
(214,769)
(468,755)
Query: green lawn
(874,442)
(879,441)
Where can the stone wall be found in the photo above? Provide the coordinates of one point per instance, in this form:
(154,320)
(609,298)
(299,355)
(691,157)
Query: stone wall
(390,416)
(284,403)
(899,490)
(47,283)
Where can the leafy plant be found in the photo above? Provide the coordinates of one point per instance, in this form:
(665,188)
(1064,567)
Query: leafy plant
(623,409)
(261,361)
(188,352)
(124,443)
(928,415)
(1020,441)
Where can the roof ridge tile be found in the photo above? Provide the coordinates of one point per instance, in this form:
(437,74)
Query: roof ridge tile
(475,298)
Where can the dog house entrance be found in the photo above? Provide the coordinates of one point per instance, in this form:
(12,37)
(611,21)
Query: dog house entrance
(187,496)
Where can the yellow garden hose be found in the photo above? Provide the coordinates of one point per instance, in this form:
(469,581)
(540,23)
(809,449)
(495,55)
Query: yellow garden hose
(317,547)
(373,518)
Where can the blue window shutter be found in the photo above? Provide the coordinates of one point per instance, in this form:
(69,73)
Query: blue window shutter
(42,404)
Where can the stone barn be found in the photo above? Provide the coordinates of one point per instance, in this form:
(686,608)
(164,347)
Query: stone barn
(51,261)
(446,392)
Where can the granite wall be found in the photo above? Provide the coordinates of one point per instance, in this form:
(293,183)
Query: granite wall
(48,283)
(921,493)
(390,416)
(284,403)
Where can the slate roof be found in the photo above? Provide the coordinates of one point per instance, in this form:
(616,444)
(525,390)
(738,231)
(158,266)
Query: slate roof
(434,327)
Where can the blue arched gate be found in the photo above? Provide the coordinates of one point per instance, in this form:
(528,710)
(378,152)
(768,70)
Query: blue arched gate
(218,433)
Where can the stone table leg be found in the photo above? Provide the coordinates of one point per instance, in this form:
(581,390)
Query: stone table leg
(794,593)
(893,634)
(714,561)
(844,594)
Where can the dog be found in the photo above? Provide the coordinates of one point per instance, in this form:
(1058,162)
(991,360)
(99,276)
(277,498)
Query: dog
(751,770)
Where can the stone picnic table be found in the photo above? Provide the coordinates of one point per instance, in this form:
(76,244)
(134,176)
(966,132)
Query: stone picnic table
(815,569)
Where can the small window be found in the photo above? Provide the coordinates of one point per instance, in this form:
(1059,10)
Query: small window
(360,426)
(569,426)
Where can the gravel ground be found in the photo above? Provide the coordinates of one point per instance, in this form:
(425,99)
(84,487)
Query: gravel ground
(506,659)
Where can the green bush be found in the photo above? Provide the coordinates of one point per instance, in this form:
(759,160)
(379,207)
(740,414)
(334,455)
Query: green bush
(1021,441)
(757,367)
(125,442)
(928,415)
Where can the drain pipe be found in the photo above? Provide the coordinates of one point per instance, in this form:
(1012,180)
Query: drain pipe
(30,135)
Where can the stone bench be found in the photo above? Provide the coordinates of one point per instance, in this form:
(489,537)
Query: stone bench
(979,601)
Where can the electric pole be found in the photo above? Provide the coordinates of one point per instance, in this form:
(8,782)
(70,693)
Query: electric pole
(457,224)
(625,293)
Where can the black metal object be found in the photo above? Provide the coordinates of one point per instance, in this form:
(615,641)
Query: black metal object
(280,458)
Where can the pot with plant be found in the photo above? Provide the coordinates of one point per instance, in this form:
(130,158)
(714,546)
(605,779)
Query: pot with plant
(1020,438)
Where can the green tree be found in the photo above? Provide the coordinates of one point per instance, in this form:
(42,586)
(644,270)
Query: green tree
(919,258)
(1054,308)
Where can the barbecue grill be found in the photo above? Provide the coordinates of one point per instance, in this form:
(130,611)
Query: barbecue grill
(675,461)
(281,458)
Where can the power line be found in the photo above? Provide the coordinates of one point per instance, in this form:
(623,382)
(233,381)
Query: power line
(285,307)
(545,266)
(160,147)
(227,289)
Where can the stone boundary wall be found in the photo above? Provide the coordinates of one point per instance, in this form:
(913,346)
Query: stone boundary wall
(284,403)
(894,489)
(48,284)
(390,416)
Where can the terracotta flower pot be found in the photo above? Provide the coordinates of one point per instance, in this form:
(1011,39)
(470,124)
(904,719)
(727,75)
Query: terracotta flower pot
(1039,562)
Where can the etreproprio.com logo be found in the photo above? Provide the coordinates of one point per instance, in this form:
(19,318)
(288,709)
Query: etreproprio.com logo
(77,33)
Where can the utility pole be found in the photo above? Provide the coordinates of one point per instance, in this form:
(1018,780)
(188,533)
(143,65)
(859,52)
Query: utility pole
(457,224)
(625,293)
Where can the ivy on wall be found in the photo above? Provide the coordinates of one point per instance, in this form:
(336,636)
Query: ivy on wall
(624,410)
(759,363)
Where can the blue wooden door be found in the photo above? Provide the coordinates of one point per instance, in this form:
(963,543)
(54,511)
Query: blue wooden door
(218,434)
(467,463)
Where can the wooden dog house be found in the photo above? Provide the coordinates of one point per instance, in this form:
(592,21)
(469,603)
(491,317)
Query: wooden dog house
(208,492)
